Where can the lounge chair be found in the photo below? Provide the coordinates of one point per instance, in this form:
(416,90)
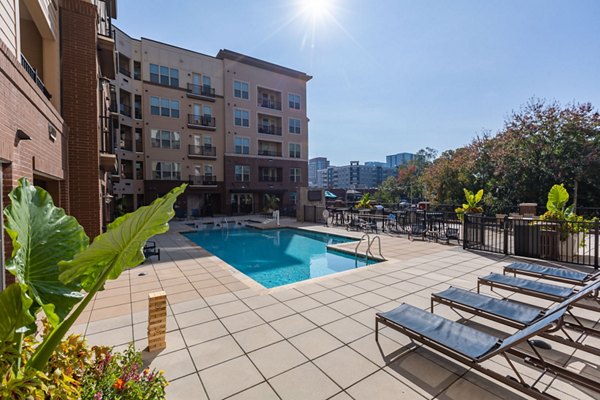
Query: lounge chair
(150,249)
(534,288)
(472,347)
(551,273)
(520,315)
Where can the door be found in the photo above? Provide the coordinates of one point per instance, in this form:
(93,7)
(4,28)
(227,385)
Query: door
(197,84)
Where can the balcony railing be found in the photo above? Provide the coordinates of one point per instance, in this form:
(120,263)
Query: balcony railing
(202,151)
(274,105)
(269,130)
(203,180)
(124,109)
(34,75)
(201,90)
(202,120)
(267,178)
(126,144)
(124,70)
(104,19)
(270,153)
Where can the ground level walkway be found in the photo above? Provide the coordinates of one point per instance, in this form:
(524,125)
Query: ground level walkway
(230,338)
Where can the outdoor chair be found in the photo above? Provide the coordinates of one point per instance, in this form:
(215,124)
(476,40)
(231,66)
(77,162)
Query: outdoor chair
(472,347)
(354,224)
(519,315)
(537,289)
(417,230)
(150,249)
(551,273)
(450,234)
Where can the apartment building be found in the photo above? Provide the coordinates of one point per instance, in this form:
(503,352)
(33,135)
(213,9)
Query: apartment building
(232,126)
(168,106)
(354,176)
(266,133)
(55,59)
(395,160)
(314,165)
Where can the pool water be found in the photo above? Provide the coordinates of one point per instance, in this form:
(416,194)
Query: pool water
(278,256)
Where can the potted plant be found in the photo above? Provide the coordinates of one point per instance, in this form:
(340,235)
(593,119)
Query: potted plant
(271,202)
(472,205)
(562,219)
(364,204)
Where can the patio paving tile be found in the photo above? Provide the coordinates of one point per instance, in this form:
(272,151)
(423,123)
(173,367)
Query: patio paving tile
(230,377)
(327,296)
(186,388)
(258,392)
(195,317)
(302,304)
(257,337)
(274,312)
(215,352)
(230,308)
(381,385)
(203,332)
(322,315)
(347,329)
(348,306)
(116,337)
(276,358)
(349,290)
(315,343)
(255,302)
(175,364)
(345,366)
(238,322)
(292,325)
(305,382)
(108,324)
(187,305)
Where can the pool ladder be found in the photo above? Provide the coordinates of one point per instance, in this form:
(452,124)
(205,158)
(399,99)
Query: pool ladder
(368,252)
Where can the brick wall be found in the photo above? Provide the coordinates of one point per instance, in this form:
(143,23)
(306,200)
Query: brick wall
(80,111)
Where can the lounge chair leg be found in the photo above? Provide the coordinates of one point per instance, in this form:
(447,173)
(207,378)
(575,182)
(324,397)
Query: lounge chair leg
(376,330)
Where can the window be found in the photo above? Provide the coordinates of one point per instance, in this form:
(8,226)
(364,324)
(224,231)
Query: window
(137,70)
(242,118)
(293,198)
(294,101)
(164,107)
(241,90)
(139,170)
(139,140)
(294,150)
(294,174)
(242,173)
(165,139)
(137,106)
(164,75)
(166,171)
(242,145)
(208,170)
(294,125)
(207,110)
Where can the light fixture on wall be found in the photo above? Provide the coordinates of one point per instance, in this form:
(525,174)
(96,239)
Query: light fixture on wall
(107,197)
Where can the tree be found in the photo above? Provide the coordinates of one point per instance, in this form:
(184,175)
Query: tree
(388,192)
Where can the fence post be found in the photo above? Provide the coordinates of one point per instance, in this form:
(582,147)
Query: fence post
(505,228)
(465,223)
(596,244)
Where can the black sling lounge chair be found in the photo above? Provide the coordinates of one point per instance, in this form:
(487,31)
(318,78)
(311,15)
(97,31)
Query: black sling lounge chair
(551,273)
(520,315)
(472,347)
(534,288)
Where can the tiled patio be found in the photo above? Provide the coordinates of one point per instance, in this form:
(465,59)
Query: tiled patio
(230,338)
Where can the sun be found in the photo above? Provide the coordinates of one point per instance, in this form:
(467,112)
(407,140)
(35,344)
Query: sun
(316,8)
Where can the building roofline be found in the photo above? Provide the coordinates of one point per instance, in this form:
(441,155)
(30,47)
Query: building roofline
(255,62)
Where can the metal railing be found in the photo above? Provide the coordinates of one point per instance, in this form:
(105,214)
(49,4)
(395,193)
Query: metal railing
(201,90)
(202,180)
(207,151)
(104,19)
(274,105)
(270,153)
(202,120)
(124,109)
(269,130)
(575,242)
(34,75)
(267,178)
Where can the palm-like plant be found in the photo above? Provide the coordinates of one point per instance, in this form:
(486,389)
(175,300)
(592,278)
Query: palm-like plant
(364,203)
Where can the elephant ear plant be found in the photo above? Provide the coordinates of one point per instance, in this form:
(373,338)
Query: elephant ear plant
(472,204)
(54,262)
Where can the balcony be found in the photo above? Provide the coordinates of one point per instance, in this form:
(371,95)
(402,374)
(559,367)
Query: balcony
(34,75)
(201,92)
(273,105)
(124,109)
(202,122)
(268,178)
(269,153)
(124,70)
(203,180)
(269,130)
(195,151)
(106,41)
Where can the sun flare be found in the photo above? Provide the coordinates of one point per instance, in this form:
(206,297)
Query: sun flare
(316,8)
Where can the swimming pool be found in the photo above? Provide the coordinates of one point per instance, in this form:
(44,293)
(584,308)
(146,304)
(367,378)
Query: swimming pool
(277,257)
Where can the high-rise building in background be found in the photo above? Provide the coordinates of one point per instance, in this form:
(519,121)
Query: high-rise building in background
(314,165)
(232,126)
(353,176)
(398,159)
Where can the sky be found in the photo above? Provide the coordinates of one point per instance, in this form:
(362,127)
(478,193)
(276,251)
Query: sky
(393,76)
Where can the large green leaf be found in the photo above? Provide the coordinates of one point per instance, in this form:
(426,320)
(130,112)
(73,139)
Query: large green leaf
(479,196)
(42,235)
(121,246)
(14,311)
(557,198)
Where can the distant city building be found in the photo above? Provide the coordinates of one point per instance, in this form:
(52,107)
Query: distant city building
(314,165)
(353,176)
(396,160)
(375,164)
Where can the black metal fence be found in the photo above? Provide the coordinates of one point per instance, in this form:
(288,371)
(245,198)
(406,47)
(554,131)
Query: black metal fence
(564,241)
